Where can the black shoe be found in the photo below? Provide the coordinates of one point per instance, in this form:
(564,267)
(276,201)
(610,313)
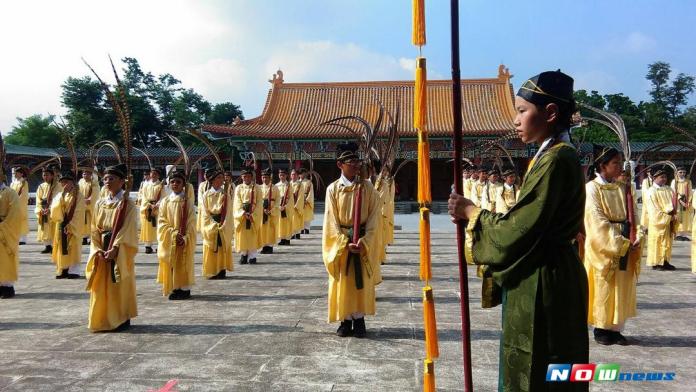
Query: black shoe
(668,267)
(298,236)
(84,241)
(284,242)
(346,328)
(185,294)
(122,327)
(175,295)
(73,276)
(243,259)
(252,261)
(7,292)
(222,274)
(264,250)
(657,268)
(270,250)
(47,249)
(359,330)
(604,337)
(148,250)
(620,339)
(63,274)
(22,243)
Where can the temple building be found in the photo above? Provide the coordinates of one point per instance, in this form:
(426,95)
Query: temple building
(290,126)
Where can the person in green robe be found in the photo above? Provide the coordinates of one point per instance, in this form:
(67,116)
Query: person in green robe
(531,265)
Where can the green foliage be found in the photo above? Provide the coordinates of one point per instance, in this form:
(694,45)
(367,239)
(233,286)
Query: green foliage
(645,121)
(36,130)
(158,103)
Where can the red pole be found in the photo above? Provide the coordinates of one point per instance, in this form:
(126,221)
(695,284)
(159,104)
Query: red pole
(461,224)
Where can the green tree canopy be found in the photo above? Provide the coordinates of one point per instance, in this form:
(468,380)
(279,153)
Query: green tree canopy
(36,130)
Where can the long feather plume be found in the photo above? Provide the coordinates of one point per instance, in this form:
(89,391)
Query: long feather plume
(184,154)
(199,136)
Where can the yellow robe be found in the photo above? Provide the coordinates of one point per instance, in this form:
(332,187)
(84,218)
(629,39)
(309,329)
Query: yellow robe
(477,192)
(216,258)
(693,239)
(44,195)
(60,208)
(466,187)
(684,214)
(202,188)
(269,229)
(21,187)
(308,190)
(491,195)
(112,303)
(247,239)
(390,212)
(89,191)
(298,217)
(612,292)
(284,229)
(175,262)
(506,198)
(659,207)
(150,196)
(344,298)
(10,221)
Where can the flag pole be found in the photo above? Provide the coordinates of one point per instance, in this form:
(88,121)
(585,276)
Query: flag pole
(461,224)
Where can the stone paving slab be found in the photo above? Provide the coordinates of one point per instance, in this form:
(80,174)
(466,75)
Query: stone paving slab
(264,328)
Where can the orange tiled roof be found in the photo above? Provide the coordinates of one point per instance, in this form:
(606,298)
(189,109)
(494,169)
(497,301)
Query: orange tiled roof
(295,110)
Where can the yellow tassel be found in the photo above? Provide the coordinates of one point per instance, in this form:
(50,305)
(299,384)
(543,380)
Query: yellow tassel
(424,193)
(426,271)
(428,376)
(418,36)
(431,347)
(420,96)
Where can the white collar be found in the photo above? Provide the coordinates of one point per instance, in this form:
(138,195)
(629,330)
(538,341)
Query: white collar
(562,137)
(657,186)
(601,180)
(118,196)
(508,186)
(344,181)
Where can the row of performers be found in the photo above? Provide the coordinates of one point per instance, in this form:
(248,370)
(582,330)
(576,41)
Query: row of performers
(250,216)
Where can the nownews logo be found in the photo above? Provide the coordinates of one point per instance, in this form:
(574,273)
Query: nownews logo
(600,372)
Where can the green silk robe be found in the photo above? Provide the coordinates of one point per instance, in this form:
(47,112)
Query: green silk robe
(530,254)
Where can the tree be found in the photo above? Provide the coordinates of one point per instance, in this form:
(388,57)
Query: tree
(225,113)
(682,86)
(658,75)
(36,130)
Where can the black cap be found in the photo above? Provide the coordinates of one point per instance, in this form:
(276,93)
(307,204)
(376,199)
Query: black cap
(117,170)
(67,176)
(21,169)
(493,171)
(509,172)
(177,174)
(346,151)
(660,171)
(282,170)
(247,170)
(157,170)
(48,169)
(681,168)
(211,173)
(267,172)
(548,87)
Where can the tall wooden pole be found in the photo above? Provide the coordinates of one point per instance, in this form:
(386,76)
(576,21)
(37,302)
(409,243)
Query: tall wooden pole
(461,224)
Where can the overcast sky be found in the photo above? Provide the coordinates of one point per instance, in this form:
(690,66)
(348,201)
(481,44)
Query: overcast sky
(227,50)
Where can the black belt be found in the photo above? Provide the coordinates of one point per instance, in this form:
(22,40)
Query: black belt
(354,258)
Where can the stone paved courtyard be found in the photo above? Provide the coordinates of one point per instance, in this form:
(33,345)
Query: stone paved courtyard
(264,328)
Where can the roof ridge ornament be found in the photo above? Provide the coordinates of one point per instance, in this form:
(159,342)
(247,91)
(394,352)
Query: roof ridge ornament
(277,78)
(504,73)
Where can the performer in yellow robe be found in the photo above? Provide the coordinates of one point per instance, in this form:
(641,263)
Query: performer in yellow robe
(351,287)
(308,190)
(610,259)
(176,240)
(693,239)
(152,194)
(661,214)
(202,189)
(110,272)
(10,230)
(68,211)
(248,218)
(271,213)
(286,208)
(299,196)
(217,227)
(683,187)
(21,186)
(89,188)
(506,197)
(491,191)
(45,193)
(466,182)
(477,188)
(390,211)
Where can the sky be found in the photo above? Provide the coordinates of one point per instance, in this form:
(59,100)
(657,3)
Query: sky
(227,50)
